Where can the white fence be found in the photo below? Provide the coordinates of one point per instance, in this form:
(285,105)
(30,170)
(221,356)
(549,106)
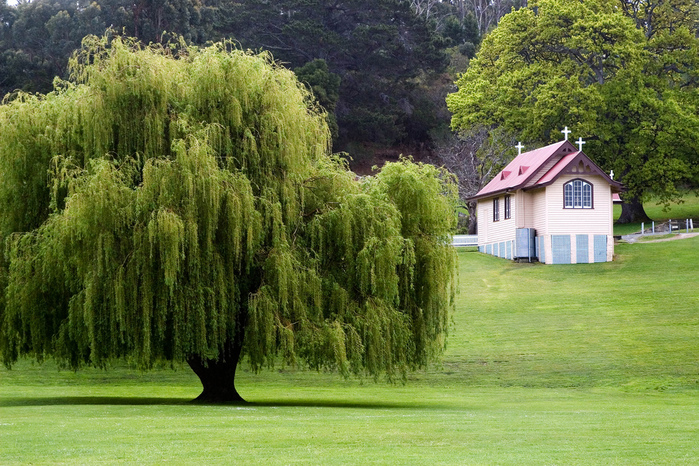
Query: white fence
(662,228)
(465,240)
(671,226)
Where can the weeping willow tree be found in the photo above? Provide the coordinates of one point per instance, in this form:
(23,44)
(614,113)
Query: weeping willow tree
(180,204)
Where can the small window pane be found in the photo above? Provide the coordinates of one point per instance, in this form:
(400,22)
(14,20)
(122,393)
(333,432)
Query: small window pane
(577,193)
(568,189)
(587,196)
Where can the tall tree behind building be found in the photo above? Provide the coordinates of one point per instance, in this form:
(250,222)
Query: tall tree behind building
(590,67)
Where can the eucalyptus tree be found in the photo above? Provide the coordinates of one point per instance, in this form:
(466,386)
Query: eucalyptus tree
(588,66)
(180,204)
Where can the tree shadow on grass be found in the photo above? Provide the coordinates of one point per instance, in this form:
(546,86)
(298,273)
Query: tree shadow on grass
(154,401)
(91,401)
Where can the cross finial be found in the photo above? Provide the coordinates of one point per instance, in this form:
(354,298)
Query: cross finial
(580,143)
(566,132)
(611,174)
(519,147)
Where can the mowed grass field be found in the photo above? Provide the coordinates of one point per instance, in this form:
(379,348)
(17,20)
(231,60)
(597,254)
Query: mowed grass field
(587,364)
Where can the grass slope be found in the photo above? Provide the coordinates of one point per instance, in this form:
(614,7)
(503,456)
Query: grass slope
(589,364)
(632,323)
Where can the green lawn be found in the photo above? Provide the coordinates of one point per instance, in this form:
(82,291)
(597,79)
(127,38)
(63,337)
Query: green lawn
(587,364)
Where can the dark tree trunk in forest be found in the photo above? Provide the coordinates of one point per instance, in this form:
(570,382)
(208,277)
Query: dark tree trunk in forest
(632,211)
(472,219)
(218,375)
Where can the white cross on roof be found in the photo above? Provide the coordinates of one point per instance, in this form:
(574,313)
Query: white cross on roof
(566,132)
(519,147)
(580,143)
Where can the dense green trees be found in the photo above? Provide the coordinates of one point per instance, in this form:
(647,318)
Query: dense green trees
(629,92)
(179,204)
(377,48)
(384,53)
(39,36)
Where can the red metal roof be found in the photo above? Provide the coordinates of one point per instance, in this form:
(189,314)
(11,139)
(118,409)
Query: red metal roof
(523,170)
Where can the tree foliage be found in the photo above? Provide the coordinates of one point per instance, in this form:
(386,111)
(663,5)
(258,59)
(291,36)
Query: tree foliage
(588,66)
(179,204)
(39,36)
(325,86)
(661,16)
(377,47)
(383,51)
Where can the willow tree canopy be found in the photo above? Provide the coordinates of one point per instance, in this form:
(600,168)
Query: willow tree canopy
(180,204)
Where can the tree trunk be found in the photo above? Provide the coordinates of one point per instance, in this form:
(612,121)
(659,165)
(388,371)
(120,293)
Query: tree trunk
(632,212)
(472,219)
(218,376)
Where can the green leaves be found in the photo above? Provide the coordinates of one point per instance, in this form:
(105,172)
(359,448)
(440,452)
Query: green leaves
(184,205)
(587,66)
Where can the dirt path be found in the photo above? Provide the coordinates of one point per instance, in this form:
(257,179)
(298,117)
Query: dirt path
(677,236)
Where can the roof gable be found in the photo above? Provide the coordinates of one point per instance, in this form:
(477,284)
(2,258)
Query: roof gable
(573,164)
(529,170)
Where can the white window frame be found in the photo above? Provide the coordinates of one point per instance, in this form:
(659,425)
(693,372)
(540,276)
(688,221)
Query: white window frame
(577,194)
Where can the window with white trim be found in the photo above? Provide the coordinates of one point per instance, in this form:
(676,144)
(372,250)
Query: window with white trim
(508,207)
(577,194)
(496,209)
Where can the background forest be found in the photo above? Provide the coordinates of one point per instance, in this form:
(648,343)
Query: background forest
(381,68)
(622,74)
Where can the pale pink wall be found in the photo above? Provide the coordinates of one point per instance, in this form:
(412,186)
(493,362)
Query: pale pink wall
(485,215)
(538,202)
(495,232)
(595,221)
(524,214)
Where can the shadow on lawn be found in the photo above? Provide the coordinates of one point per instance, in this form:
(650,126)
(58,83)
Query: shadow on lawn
(91,400)
(145,401)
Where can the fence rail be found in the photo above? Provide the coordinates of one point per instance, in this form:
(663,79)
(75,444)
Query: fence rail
(669,226)
(465,240)
(681,225)
(662,228)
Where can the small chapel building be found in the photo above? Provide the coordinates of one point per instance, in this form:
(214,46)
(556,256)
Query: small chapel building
(551,204)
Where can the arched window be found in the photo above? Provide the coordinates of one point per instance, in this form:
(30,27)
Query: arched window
(577,194)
